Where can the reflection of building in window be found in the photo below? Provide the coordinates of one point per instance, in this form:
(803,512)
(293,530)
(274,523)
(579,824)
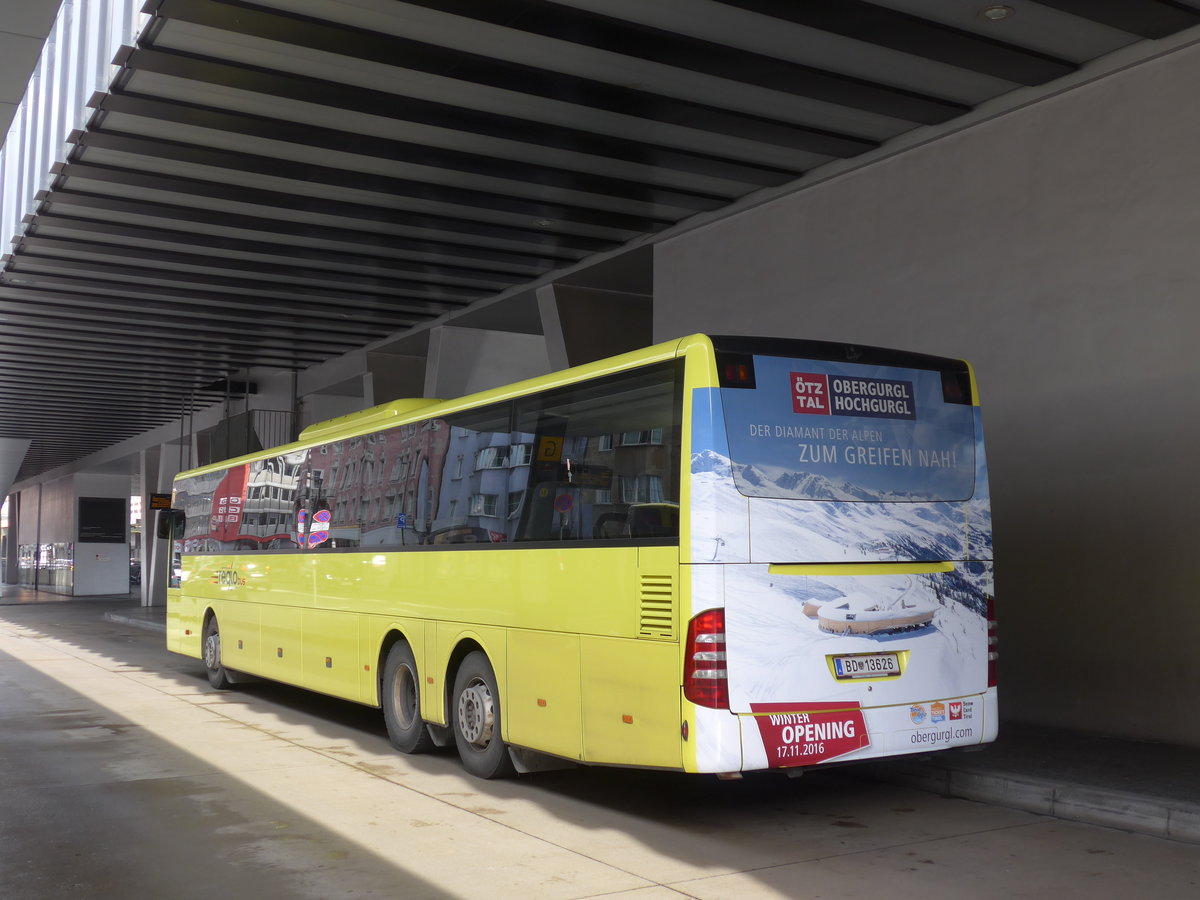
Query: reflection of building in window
(380,476)
(515,499)
(483,505)
(638,438)
(546,467)
(641,488)
(492,458)
(270,496)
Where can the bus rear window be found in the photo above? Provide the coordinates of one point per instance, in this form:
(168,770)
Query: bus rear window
(821,430)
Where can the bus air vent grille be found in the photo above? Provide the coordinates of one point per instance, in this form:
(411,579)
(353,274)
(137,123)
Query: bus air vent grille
(656,609)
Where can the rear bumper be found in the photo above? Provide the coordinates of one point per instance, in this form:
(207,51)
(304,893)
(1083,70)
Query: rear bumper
(849,734)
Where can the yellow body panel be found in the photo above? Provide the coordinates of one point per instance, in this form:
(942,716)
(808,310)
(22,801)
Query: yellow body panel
(543,692)
(282,644)
(241,635)
(330,654)
(630,702)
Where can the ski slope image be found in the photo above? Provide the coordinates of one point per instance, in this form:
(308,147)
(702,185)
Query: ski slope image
(857,551)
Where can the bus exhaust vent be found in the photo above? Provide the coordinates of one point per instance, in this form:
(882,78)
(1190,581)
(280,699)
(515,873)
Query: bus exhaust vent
(657,607)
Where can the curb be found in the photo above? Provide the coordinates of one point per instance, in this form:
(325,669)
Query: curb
(136,622)
(1075,802)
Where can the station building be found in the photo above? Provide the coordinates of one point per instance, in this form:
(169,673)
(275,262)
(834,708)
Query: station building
(226,221)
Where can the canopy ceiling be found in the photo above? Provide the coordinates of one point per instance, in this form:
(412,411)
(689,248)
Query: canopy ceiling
(275,184)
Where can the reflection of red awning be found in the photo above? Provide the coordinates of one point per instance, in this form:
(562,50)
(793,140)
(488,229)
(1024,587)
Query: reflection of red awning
(282,535)
(229,504)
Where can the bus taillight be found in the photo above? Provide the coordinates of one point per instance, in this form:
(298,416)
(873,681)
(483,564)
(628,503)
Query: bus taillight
(993,652)
(705,676)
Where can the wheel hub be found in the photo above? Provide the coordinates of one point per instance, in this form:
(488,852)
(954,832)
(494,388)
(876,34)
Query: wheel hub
(404,696)
(476,714)
(212,651)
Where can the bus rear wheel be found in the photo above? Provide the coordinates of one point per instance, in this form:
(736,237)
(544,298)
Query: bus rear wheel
(400,694)
(218,676)
(476,712)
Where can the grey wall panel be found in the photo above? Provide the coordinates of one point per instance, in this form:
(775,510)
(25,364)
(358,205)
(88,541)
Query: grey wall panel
(1054,247)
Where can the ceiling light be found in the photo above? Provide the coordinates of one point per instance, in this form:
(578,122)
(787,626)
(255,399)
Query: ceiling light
(997,13)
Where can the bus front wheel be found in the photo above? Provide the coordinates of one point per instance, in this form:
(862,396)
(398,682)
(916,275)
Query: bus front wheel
(400,694)
(218,677)
(476,712)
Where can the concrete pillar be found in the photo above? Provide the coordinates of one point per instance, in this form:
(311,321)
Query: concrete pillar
(11,556)
(394,377)
(12,454)
(159,466)
(26,533)
(583,324)
(465,360)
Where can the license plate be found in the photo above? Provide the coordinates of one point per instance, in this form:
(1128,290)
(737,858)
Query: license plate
(866,665)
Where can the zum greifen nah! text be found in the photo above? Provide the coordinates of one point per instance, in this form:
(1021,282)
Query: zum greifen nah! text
(855,450)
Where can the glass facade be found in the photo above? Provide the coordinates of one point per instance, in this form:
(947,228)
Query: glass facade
(76,62)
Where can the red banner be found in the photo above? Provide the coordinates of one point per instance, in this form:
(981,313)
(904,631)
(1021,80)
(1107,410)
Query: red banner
(229,504)
(801,734)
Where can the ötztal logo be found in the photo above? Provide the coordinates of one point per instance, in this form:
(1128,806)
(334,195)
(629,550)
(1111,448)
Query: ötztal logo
(810,393)
(816,394)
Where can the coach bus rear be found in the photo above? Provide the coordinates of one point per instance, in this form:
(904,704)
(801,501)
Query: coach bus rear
(838,547)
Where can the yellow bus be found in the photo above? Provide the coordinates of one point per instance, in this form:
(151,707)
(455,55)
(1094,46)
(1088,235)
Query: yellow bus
(717,554)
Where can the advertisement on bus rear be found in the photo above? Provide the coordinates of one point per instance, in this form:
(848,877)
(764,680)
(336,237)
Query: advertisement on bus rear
(815,430)
(852,504)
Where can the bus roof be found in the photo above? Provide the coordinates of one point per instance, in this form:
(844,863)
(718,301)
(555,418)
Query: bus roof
(400,412)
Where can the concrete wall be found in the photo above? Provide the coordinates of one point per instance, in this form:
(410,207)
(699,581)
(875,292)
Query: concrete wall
(97,568)
(1055,248)
(58,511)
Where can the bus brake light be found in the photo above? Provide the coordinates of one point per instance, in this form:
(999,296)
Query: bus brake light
(705,675)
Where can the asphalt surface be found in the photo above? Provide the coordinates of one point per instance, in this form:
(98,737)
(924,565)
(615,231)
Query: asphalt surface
(122,772)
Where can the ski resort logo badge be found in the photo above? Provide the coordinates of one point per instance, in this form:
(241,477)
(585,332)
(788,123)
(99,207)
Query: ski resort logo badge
(937,712)
(917,713)
(962,709)
(810,393)
(843,395)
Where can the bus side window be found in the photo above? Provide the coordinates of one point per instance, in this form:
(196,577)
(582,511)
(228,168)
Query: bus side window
(609,525)
(605,458)
(654,520)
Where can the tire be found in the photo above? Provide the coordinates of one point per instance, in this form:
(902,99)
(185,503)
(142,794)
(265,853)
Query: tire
(218,676)
(476,711)
(400,696)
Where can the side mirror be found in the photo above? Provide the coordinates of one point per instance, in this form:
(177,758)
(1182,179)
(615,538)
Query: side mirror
(170,523)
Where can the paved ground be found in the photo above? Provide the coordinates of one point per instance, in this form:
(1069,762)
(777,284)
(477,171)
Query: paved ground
(123,774)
